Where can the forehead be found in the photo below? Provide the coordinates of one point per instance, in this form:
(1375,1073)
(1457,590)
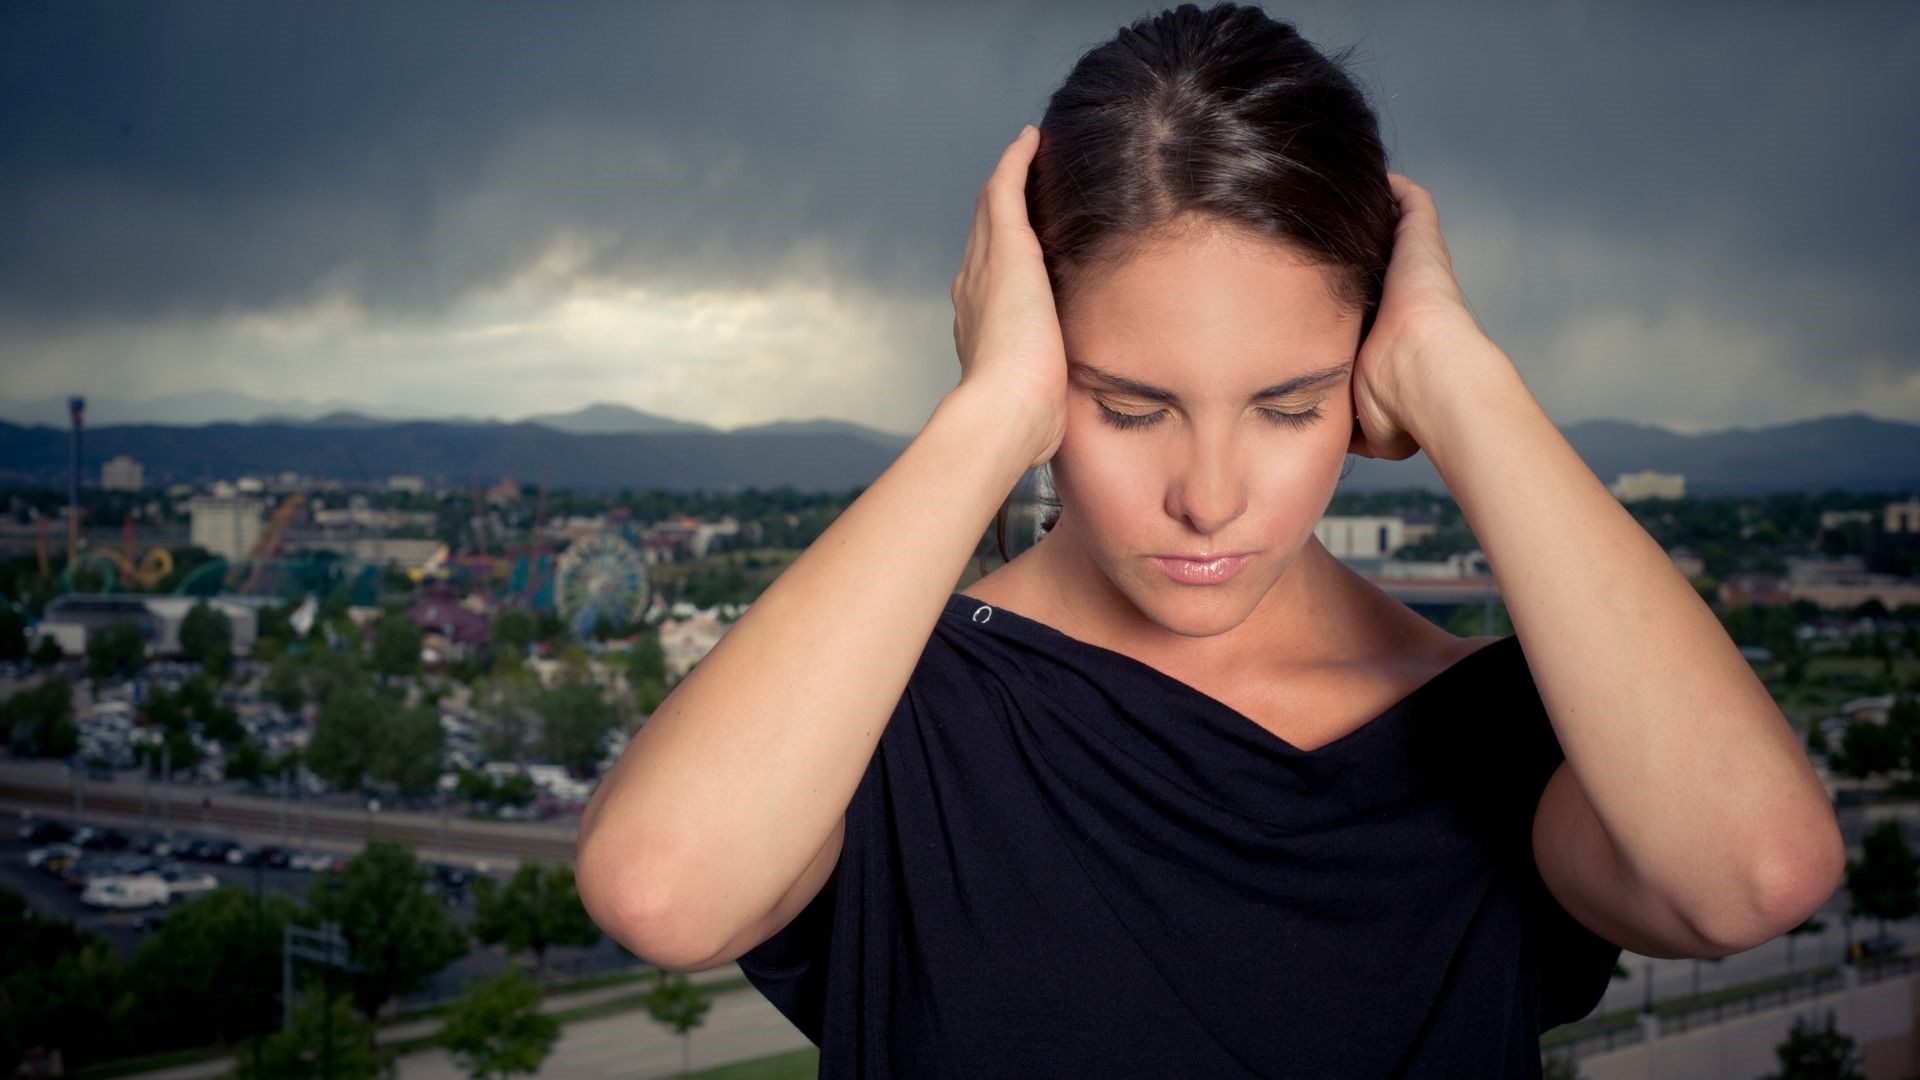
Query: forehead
(1213,304)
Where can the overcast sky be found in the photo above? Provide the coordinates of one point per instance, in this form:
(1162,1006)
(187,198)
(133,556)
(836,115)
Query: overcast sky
(1691,214)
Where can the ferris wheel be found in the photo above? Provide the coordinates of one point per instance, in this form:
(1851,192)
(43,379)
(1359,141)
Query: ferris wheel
(600,576)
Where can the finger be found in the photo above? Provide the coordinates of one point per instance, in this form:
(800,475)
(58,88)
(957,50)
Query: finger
(984,200)
(1007,187)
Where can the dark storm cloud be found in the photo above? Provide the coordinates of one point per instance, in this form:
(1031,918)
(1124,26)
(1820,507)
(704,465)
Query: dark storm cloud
(197,157)
(179,160)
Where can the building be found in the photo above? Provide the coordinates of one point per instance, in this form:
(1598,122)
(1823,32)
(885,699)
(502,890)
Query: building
(70,618)
(227,525)
(1357,537)
(412,485)
(121,473)
(1648,484)
(451,628)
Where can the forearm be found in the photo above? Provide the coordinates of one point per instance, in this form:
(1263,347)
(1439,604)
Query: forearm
(1692,770)
(736,780)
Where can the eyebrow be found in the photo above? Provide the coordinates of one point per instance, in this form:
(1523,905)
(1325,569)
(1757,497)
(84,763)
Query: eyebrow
(1309,381)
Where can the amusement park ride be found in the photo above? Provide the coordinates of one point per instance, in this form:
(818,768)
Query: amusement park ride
(597,577)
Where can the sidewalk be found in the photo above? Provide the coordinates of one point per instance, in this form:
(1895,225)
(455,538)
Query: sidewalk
(413,1029)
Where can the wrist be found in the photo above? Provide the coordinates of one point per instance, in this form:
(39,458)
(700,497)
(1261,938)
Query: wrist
(1007,424)
(1471,386)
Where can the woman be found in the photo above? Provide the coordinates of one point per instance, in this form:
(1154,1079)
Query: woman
(1173,793)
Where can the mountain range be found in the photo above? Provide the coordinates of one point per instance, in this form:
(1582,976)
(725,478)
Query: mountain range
(607,446)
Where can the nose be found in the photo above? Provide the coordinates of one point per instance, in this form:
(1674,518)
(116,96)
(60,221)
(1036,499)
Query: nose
(1209,488)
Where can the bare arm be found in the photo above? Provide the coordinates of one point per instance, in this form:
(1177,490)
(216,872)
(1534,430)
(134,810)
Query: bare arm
(741,777)
(732,785)
(1690,821)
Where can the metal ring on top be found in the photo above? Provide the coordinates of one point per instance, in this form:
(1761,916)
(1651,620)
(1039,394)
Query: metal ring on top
(978,617)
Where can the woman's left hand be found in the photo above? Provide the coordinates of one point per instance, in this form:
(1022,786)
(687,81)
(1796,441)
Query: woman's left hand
(1423,318)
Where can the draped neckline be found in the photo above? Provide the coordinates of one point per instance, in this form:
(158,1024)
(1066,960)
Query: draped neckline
(994,618)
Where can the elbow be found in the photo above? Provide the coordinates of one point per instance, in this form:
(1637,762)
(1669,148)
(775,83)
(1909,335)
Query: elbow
(1789,885)
(625,897)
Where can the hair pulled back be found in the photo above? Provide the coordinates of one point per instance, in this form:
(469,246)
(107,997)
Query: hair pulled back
(1207,118)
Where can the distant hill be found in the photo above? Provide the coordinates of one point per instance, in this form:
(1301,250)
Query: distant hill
(1849,452)
(604,419)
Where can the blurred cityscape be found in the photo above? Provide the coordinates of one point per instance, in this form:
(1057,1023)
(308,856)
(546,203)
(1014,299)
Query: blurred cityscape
(278,741)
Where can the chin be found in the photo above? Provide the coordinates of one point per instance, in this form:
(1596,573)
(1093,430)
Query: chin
(1195,610)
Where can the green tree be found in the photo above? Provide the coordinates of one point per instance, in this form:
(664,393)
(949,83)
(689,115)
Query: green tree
(1884,882)
(1817,1054)
(497,1030)
(211,972)
(116,652)
(1867,749)
(206,636)
(537,909)
(504,713)
(338,1047)
(38,721)
(396,646)
(397,930)
(345,748)
(574,722)
(286,683)
(488,792)
(514,632)
(47,653)
(647,671)
(407,753)
(676,1002)
(57,987)
(247,761)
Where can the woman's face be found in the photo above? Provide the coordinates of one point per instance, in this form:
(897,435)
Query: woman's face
(1209,410)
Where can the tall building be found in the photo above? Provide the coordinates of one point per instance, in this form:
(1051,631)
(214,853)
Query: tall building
(121,473)
(227,525)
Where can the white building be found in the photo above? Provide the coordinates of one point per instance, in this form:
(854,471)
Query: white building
(1360,537)
(1648,484)
(226,525)
(121,473)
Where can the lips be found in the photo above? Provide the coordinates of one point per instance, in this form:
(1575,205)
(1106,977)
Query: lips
(1201,570)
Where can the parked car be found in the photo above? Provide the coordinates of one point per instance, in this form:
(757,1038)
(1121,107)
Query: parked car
(54,857)
(1877,945)
(317,861)
(93,865)
(44,831)
(449,883)
(127,892)
(183,882)
(204,849)
(104,839)
(275,856)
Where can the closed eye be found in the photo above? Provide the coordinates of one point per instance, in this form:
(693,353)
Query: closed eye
(1275,416)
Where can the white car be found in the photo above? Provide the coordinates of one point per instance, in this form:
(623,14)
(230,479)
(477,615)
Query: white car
(315,861)
(54,853)
(126,892)
(182,882)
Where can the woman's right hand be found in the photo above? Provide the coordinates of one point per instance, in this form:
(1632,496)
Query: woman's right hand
(1005,326)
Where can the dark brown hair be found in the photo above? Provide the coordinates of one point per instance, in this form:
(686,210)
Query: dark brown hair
(1224,116)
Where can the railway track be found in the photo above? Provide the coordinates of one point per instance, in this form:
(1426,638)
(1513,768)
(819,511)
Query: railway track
(262,824)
